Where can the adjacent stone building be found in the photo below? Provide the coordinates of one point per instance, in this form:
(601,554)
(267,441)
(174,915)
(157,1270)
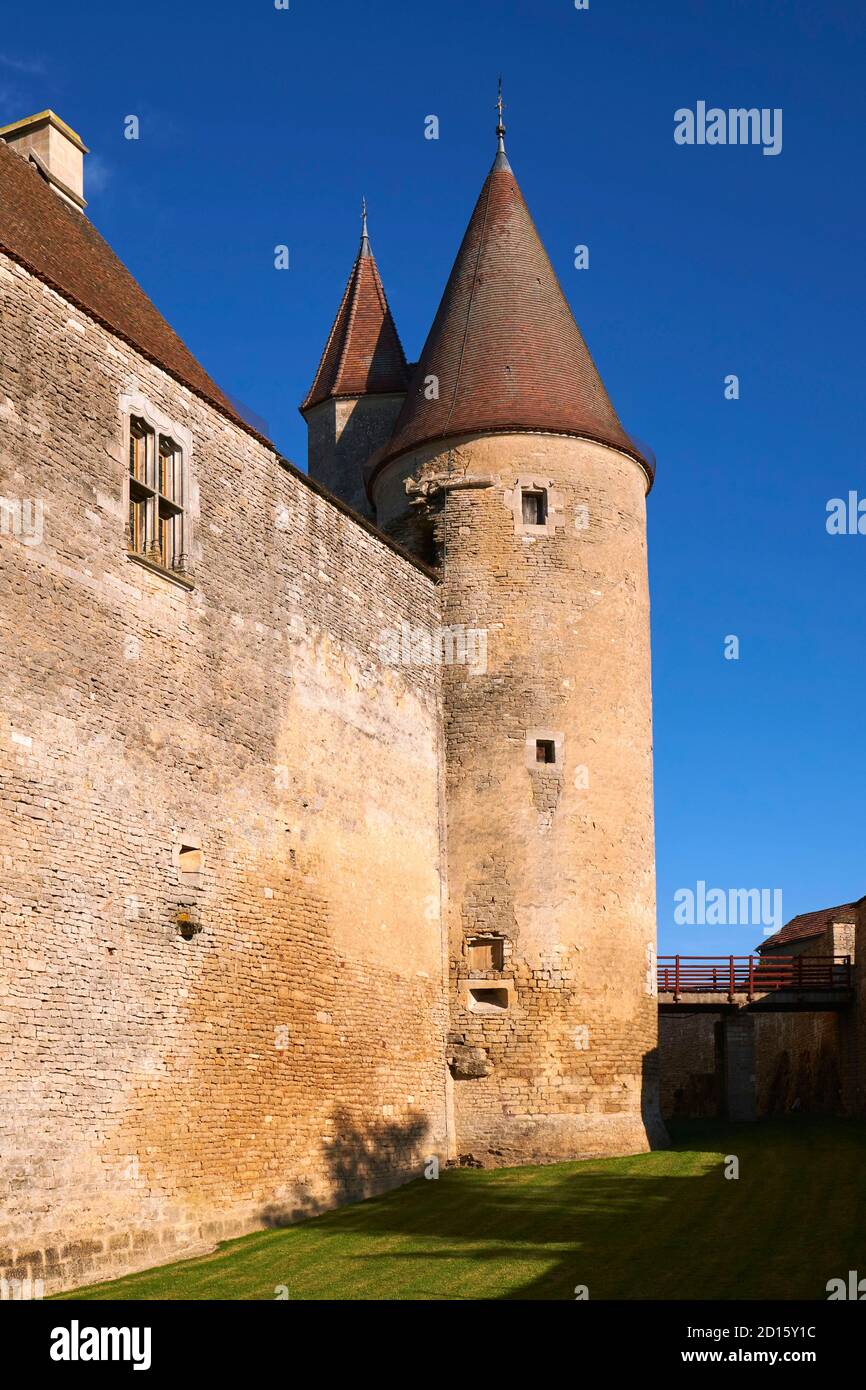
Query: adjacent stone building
(830,931)
(326,799)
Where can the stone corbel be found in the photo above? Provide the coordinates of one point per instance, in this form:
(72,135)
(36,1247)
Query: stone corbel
(444,482)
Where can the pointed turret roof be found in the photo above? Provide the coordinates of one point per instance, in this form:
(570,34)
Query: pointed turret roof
(504,346)
(363,354)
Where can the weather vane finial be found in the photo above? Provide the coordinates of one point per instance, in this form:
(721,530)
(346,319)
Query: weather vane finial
(500,129)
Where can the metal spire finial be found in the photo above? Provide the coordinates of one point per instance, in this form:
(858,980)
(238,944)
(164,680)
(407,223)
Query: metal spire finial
(500,129)
(365,239)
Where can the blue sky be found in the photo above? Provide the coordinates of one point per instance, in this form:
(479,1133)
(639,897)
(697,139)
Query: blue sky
(261,127)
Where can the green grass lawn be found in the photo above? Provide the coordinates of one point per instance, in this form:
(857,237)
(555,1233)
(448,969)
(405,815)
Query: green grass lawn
(661,1225)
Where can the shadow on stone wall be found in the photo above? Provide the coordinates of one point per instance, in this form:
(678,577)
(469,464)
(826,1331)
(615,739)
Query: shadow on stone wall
(699,1097)
(807,1083)
(650,1101)
(364,1159)
(361,1160)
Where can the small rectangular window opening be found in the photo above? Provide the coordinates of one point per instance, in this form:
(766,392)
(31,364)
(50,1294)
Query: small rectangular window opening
(190,859)
(485,953)
(488,1001)
(534,501)
(545,750)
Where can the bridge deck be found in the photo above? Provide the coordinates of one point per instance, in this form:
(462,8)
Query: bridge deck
(818,982)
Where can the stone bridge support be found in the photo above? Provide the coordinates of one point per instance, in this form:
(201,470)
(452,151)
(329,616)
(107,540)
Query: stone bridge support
(739,1075)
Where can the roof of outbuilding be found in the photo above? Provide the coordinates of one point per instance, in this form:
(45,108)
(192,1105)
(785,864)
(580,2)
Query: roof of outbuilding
(811,924)
(59,245)
(504,347)
(363,354)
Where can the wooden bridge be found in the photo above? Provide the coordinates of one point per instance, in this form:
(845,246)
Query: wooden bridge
(784,981)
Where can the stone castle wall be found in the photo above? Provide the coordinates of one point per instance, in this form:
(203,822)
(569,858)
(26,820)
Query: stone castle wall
(796,1063)
(553,1048)
(157,1092)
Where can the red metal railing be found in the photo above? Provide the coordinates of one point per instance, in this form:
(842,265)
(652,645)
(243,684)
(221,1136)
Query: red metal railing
(751,975)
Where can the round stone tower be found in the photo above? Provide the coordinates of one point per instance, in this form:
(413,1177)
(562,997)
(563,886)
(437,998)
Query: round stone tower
(509,467)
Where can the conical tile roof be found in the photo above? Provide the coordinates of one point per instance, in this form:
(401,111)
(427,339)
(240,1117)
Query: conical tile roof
(363,354)
(504,346)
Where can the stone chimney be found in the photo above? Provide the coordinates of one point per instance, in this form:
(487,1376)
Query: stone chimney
(55,149)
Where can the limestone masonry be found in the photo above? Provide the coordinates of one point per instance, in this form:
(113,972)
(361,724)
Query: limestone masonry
(327,831)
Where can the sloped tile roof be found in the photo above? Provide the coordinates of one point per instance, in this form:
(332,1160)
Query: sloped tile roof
(59,245)
(811,924)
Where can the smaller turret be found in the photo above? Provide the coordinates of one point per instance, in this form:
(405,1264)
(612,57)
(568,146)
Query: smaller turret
(360,386)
